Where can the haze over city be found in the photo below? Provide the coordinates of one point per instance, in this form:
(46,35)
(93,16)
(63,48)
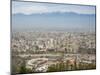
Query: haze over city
(52,17)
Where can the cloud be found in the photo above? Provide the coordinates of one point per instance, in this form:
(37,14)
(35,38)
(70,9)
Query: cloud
(39,8)
(30,10)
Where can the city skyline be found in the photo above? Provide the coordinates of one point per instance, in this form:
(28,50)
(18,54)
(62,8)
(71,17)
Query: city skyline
(48,37)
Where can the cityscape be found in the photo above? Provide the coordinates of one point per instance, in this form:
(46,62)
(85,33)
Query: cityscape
(62,46)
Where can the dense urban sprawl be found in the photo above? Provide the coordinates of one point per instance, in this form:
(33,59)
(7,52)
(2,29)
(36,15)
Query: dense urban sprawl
(52,51)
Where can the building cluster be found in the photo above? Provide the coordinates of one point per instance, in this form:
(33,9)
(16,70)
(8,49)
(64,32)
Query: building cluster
(53,41)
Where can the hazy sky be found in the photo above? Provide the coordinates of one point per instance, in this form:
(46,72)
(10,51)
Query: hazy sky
(32,7)
(69,17)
